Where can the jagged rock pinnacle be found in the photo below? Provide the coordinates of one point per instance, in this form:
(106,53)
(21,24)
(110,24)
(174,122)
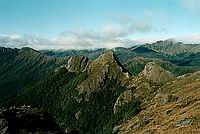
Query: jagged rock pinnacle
(105,67)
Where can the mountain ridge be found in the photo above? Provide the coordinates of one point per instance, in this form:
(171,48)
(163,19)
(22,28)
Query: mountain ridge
(100,94)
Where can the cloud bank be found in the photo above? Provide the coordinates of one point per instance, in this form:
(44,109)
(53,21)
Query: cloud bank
(193,38)
(114,34)
(74,42)
(192,5)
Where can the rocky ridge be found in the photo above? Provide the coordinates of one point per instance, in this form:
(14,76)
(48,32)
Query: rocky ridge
(170,109)
(144,85)
(110,90)
(171,47)
(155,73)
(104,67)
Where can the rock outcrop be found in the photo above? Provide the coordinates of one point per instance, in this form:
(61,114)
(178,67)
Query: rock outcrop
(77,64)
(123,99)
(105,67)
(26,120)
(143,84)
(174,109)
(156,74)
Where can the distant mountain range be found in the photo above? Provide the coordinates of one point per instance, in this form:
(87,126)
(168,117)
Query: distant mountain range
(173,47)
(149,88)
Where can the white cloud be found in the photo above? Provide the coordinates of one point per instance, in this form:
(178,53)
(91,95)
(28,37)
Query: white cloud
(12,36)
(19,41)
(140,27)
(150,39)
(192,5)
(74,41)
(114,34)
(86,42)
(192,38)
(112,31)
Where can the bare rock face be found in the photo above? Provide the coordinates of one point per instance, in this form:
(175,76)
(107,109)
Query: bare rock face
(155,73)
(183,122)
(124,98)
(77,64)
(148,81)
(105,67)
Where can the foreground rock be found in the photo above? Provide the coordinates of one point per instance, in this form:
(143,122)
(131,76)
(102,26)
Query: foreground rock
(23,120)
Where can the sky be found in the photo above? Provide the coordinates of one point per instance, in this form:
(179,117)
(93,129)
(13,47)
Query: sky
(80,24)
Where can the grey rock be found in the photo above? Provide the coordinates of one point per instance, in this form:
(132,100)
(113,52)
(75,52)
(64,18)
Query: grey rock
(183,122)
(116,129)
(124,98)
(77,64)
(4,130)
(77,115)
(105,67)
(3,126)
(167,98)
(155,73)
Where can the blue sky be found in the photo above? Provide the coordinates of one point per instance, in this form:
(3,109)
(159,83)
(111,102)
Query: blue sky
(140,20)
